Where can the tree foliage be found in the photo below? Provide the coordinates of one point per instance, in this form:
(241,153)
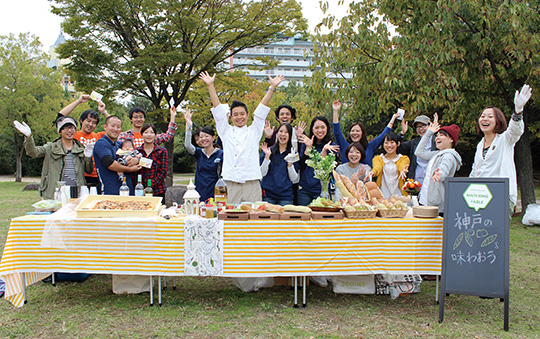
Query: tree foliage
(29,91)
(156,49)
(453,57)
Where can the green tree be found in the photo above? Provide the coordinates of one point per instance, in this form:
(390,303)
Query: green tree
(29,91)
(157,49)
(453,57)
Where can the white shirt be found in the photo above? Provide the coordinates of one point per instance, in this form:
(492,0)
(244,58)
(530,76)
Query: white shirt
(240,144)
(499,161)
(389,182)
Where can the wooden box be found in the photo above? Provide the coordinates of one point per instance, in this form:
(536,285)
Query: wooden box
(85,207)
(233,215)
(295,216)
(326,215)
(263,216)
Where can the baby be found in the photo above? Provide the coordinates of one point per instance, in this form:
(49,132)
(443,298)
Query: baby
(126,151)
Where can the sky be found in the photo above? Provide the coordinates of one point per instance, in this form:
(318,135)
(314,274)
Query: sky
(35,16)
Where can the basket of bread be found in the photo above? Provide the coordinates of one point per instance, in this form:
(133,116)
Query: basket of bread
(365,200)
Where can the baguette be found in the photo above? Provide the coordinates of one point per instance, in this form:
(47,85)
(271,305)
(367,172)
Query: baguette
(273,208)
(298,209)
(344,191)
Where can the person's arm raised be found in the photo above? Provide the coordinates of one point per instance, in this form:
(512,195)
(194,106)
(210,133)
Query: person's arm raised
(69,108)
(209,81)
(274,83)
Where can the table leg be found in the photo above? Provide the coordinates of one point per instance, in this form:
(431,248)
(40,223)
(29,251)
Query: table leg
(159,290)
(304,304)
(151,291)
(23,280)
(437,288)
(295,292)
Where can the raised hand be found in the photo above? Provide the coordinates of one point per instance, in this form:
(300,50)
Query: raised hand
(172,112)
(436,118)
(330,147)
(521,98)
(101,107)
(267,151)
(275,81)
(336,105)
(268,129)
(187,116)
(23,128)
(206,78)
(84,98)
(300,128)
(362,170)
(434,126)
(404,126)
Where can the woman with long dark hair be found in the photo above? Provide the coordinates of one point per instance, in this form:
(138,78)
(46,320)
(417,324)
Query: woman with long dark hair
(278,174)
(319,137)
(209,158)
(158,170)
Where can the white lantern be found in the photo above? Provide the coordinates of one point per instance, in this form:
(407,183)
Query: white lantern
(191,200)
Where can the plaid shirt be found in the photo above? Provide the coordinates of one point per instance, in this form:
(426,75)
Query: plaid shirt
(138,140)
(158,172)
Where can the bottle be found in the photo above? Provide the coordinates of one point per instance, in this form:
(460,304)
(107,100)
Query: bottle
(220,194)
(57,195)
(148,191)
(124,189)
(139,189)
(211,211)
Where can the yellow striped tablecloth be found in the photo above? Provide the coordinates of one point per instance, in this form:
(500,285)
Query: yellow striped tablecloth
(250,248)
(332,247)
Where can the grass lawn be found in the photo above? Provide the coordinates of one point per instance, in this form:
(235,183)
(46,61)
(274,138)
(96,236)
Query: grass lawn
(215,308)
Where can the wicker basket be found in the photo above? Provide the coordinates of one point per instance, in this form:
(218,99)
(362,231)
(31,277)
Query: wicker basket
(361,214)
(392,213)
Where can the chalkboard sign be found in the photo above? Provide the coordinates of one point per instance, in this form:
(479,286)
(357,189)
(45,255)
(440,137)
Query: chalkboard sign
(475,239)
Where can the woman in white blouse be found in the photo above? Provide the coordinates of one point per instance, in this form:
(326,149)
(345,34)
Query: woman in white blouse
(495,152)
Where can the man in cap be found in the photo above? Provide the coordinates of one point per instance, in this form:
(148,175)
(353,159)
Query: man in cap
(65,159)
(89,119)
(418,166)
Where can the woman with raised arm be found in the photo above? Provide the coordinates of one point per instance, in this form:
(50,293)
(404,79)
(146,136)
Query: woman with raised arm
(209,158)
(357,133)
(495,152)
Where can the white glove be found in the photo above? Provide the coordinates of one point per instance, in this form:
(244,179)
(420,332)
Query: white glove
(521,98)
(292,157)
(88,150)
(23,128)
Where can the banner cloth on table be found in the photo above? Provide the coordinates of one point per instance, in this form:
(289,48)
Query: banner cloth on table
(249,248)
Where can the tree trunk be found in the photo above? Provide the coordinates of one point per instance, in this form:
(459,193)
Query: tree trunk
(18,159)
(524,167)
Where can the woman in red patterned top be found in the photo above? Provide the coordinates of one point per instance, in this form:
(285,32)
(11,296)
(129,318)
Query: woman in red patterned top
(158,171)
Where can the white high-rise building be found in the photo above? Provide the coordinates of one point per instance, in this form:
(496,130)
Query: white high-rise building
(295,56)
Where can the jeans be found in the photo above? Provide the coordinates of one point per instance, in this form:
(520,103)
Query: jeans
(306,197)
(277,202)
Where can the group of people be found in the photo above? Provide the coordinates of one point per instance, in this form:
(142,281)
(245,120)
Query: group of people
(99,159)
(281,176)
(276,171)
